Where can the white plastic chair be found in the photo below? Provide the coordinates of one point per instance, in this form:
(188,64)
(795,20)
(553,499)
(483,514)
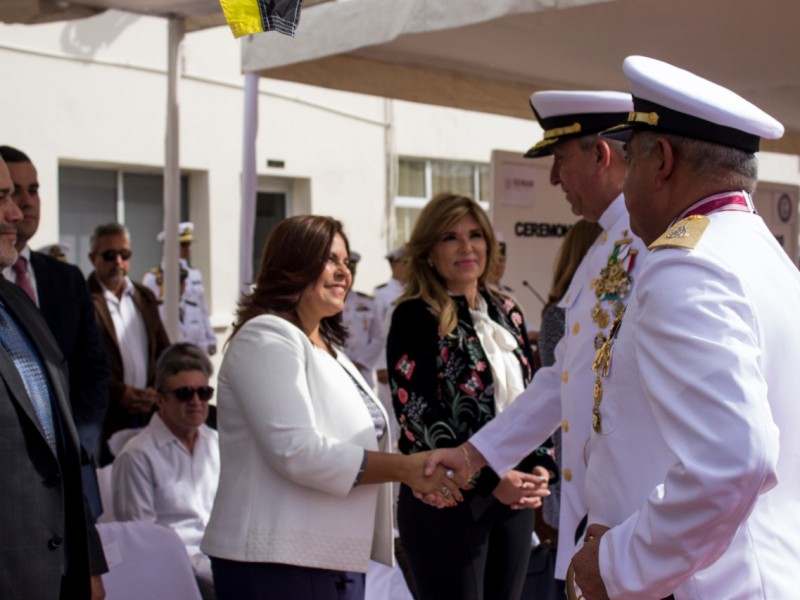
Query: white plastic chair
(386,583)
(146,561)
(119,438)
(106,493)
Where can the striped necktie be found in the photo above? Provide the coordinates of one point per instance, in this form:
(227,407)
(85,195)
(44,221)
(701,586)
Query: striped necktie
(31,371)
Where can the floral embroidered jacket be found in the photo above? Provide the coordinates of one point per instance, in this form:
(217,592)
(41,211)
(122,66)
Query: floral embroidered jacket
(442,386)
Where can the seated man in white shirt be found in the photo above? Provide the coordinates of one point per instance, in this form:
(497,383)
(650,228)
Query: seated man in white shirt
(168,473)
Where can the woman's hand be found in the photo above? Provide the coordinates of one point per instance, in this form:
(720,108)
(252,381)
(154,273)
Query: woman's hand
(439,489)
(523,490)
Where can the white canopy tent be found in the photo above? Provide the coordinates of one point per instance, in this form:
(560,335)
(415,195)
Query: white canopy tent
(490,55)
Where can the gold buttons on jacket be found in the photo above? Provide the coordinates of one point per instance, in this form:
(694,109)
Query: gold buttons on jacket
(576,328)
(565,426)
(565,377)
(567,474)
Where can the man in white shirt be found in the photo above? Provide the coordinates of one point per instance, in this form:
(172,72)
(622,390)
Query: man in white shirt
(168,473)
(132,332)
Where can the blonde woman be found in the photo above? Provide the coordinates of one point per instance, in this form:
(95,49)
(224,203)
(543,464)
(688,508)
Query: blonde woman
(457,355)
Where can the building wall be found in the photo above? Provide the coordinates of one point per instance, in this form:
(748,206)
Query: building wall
(93,93)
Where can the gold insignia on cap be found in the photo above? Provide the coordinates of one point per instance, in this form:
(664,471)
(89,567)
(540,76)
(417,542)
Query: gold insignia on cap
(542,144)
(559,131)
(650,118)
(684,234)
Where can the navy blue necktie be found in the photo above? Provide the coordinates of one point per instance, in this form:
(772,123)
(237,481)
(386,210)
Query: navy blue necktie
(31,370)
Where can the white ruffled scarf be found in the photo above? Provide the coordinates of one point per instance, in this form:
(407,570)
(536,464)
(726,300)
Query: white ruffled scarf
(499,345)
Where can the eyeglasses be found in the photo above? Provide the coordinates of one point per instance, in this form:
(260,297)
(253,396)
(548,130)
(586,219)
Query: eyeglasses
(186,393)
(111,255)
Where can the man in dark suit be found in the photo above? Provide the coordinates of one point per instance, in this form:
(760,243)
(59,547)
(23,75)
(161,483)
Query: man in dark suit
(60,292)
(132,332)
(48,545)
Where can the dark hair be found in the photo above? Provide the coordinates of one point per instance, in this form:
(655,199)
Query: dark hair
(178,358)
(12,155)
(104,230)
(293,258)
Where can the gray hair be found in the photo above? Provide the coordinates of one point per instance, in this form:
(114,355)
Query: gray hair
(733,168)
(178,358)
(105,230)
(587,142)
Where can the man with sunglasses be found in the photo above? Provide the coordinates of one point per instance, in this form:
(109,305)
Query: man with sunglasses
(132,332)
(168,473)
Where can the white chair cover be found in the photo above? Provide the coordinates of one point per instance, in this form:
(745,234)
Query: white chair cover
(146,560)
(106,495)
(119,438)
(384,583)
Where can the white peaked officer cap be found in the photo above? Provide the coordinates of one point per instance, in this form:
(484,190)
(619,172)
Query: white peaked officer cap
(671,100)
(569,114)
(185,233)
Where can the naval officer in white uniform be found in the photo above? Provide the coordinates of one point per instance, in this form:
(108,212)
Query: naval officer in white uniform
(693,481)
(365,343)
(590,170)
(195,324)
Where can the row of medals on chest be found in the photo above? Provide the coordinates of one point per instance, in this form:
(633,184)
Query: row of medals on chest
(610,288)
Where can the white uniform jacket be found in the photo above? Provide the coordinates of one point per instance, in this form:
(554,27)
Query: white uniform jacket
(293,429)
(697,465)
(385,297)
(562,393)
(365,342)
(195,324)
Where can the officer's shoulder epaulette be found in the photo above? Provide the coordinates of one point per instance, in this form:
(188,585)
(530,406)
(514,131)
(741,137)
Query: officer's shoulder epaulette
(155,270)
(684,234)
(381,286)
(364,295)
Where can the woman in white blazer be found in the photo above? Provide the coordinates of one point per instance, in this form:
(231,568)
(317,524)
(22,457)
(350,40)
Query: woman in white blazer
(302,435)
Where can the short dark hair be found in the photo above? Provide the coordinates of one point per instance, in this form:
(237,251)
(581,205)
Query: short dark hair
(104,230)
(11,155)
(181,357)
(293,258)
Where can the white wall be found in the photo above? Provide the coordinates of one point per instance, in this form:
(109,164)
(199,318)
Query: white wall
(93,93)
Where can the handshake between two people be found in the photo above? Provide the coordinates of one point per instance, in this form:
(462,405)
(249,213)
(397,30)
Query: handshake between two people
(445,472)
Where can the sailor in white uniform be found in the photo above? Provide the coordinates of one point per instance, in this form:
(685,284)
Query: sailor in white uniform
(195,324)
(590,170)
(386,295)
(693,480)
(364,341)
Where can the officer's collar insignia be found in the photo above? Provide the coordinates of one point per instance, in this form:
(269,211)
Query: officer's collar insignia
(684,234)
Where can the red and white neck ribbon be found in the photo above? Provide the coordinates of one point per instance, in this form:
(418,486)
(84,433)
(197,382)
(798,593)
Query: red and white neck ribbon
(726,201)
